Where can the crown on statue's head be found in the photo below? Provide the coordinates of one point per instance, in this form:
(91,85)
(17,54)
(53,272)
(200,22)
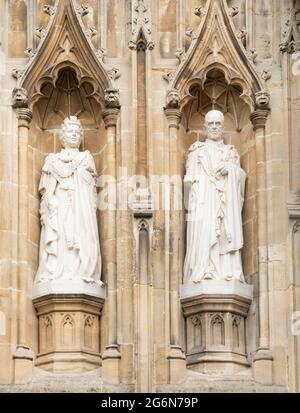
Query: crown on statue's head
(71,120)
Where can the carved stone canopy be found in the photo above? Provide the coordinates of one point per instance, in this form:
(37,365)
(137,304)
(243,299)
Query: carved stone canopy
(66,48)
(290,39)
(215,46)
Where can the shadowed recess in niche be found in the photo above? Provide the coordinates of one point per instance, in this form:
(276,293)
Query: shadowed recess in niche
(216,94)
(67,97)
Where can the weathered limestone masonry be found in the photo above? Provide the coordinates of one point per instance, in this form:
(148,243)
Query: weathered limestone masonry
(141,75)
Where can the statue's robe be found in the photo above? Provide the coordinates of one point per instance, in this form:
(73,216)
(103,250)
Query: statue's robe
(214,220)
(69,244)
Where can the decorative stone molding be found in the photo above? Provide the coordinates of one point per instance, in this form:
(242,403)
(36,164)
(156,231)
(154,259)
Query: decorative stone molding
(110,117)
(82,10)
(266,75)
(101,53)
(296,228)
(294,208)
(65,45)
(41,32)
(233,11)
(216,45)
(215,313)
(189,32)
(23,353)
(17,73)
(181,55)
(252,55)
(169,76)
(259,118)
(290,39)
(50,10)
(173,116)
(24,116)
(91,32)
(142,207)
(141,25)
(242,33)
(69,330)
(200,12)
(114,73)
(30,53)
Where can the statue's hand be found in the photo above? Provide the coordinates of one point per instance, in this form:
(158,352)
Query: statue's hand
(222,169)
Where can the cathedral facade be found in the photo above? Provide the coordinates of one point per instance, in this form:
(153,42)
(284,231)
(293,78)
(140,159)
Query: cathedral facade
(141,75)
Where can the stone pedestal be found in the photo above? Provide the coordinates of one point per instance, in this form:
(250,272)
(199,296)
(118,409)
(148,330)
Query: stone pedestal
(69,325)
(215,313)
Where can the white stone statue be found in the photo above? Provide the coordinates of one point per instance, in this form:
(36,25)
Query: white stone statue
(215,183)
(69,244)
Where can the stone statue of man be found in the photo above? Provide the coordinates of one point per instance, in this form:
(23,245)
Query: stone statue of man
(215,183)
(69,244)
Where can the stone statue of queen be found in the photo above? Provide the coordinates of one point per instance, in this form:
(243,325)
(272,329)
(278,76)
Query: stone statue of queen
(69,244)
(215,183)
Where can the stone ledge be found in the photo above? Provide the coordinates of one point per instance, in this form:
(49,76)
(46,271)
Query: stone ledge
(68,287)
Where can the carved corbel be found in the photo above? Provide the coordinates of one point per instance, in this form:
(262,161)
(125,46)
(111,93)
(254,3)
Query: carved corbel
(20,103)
(173,99)
(20,98)
(262,110)
(112,98)
(262,100)
(172,108)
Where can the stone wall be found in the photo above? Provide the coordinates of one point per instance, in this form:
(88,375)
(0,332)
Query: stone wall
(143,51)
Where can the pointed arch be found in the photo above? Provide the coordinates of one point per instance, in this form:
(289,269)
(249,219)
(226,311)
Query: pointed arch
(216,46)
(65,45)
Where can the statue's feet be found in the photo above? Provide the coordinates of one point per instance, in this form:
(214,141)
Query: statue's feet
(209,276)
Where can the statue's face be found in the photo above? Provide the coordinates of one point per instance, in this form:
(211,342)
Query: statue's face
(214,125)
(173,98)
(72,136)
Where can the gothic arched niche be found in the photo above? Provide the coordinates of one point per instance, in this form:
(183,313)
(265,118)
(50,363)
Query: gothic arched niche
(67,97)
(65,76)
(215,92)
(216,72)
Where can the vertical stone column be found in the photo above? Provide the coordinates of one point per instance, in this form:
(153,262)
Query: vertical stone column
(176,356)
(262,361)
(111,356)
(22,356)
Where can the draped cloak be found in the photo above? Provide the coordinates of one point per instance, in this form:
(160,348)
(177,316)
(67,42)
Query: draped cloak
(214,221)
(69,244)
